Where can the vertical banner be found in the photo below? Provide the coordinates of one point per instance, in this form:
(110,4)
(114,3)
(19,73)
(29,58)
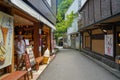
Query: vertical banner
(6,39)
(109,45)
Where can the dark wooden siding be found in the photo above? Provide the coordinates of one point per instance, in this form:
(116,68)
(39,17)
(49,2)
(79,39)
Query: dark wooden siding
(105,8)
(91,11)
(83,17)
(115,6)
(97,10)
(86,15)
(43,8)
(54,6)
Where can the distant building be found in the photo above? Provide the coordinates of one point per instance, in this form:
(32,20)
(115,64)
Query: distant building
(72,36)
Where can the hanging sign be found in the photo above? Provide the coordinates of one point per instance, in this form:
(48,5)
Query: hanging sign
(6,39)
(109,45)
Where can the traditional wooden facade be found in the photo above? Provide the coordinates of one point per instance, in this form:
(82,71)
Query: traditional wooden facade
(37,30)
(100,19)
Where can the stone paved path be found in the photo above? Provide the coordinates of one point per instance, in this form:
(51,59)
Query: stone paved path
(71,65)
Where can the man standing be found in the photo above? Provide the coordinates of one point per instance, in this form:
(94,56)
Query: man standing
(20,49)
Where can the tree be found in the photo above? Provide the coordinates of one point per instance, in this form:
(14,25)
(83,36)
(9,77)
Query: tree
(62,8)
(63,24)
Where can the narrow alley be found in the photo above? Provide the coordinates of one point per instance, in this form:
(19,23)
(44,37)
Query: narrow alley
(72,65)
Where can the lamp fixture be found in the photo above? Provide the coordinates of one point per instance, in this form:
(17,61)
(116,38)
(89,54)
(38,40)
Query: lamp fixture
(118,44)
(105,31)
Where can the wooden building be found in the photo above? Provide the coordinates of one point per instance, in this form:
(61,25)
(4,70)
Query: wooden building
(100,29)
(29,19)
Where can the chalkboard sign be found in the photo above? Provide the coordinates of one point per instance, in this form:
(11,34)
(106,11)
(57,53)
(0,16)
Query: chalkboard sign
(31,55)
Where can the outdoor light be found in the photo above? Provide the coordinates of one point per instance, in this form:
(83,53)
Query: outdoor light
(118,44)
(104,30)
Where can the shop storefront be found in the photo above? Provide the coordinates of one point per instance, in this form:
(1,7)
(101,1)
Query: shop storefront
(13,22)
(103,42)
(46,38)
(100,30)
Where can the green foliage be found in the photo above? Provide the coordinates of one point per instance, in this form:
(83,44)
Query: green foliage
(62,8)
(59,1)
(62,24)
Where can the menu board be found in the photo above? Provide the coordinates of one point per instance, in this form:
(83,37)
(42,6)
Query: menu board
(6,39)
(31,55)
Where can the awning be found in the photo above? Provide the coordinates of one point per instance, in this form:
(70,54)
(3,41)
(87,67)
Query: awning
(32,12)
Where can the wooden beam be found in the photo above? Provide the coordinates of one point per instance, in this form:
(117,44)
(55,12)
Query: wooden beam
(24,15)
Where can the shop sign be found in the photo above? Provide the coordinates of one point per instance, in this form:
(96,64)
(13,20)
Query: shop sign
(109,45)
(6,39)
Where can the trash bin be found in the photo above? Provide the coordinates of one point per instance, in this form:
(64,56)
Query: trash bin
(117,60)
(46,56)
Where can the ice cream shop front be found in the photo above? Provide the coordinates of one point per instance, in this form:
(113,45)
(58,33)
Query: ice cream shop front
(6,39)
(14,21)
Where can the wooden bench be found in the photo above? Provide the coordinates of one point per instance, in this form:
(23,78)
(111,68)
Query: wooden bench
(38,61)
(16,75)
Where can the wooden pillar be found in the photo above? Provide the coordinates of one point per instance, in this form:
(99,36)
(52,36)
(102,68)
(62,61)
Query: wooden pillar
(36,39)
(90,33)
(50,46)
(114,41)
(47,30)
(81,40)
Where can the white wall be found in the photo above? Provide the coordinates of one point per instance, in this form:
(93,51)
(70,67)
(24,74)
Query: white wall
(74,27)
(69,41)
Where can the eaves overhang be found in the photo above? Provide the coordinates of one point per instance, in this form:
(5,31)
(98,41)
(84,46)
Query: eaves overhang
(110,21)
(22,5)
(79,10)
(43,8)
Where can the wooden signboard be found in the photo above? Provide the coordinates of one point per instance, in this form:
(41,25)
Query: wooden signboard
(27,62)
(31,55)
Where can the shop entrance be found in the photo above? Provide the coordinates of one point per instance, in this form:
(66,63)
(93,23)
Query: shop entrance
(25,28)
(46,39)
